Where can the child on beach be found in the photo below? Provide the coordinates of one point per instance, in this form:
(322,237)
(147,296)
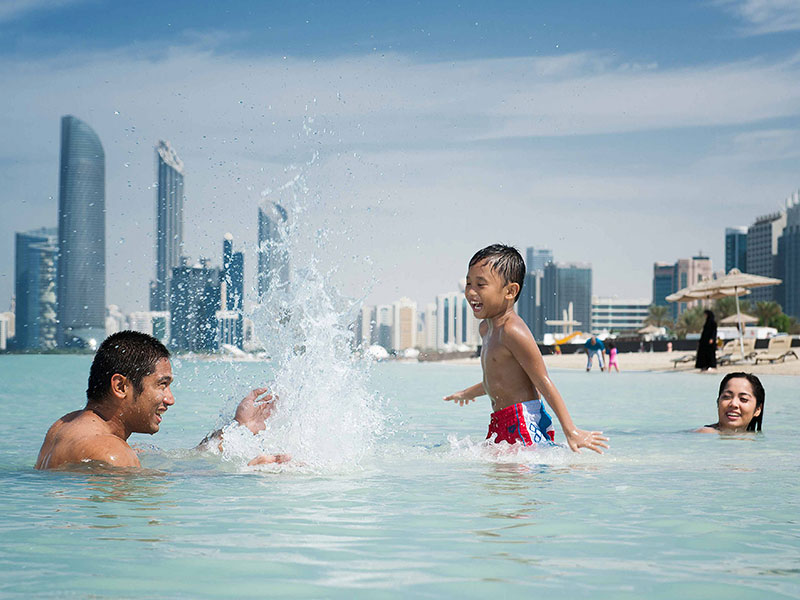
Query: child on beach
(514,374)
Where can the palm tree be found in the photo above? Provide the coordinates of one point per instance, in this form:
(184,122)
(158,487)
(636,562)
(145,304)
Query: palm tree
(725,307)
(691,321)
(767,311)
(658,316)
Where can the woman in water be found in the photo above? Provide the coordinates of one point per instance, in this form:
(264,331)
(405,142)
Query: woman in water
(740,405)
(707,347)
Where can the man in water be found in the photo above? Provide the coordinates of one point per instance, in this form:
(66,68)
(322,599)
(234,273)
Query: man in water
(129,392)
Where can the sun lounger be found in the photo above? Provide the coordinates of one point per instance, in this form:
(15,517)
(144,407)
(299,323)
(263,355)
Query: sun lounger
(683,359)
(779,348)
(735,352)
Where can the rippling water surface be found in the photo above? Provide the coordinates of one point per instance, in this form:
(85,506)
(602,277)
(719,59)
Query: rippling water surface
(424,511)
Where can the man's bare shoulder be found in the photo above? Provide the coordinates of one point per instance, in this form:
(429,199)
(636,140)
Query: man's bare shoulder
(80,436)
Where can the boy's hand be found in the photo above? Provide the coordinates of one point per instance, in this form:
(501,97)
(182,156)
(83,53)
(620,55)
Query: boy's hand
(459,397)
(255,409)
(593,440)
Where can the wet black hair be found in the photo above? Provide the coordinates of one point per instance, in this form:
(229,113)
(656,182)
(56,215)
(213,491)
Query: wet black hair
(504,260)
(129,353)
(758,392)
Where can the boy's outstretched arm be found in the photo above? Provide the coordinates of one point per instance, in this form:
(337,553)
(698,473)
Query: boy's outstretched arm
(518,339)
(468,395)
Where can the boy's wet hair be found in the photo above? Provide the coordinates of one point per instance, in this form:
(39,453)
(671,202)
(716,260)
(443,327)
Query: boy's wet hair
(758,392)
(506,261)
(129,353)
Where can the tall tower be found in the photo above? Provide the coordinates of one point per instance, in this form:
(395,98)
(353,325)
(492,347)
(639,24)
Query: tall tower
(232,282)
(273,257)
(788,259)
(81,287)
(35,289)
(169,223)
(762,248)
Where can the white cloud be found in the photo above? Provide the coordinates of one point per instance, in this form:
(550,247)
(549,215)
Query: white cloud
(415,159)
(11,10)
(765,16)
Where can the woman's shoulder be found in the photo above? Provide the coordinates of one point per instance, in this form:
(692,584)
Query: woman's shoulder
(708,429)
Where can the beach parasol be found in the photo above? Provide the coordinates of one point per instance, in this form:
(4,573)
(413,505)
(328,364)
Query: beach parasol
(742,318)
(649,329)
(735,283)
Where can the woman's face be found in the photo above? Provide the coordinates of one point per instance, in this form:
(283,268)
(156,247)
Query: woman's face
(737,405)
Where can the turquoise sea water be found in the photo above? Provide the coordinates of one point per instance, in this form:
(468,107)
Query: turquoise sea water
(422,510)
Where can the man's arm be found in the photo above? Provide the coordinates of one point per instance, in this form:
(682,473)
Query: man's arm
(108,449)
(468,395)
(518,339)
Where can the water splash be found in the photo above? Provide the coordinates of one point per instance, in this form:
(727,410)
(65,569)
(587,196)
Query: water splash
(325,417)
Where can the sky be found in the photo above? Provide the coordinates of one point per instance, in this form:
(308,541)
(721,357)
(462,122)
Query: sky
(614,133)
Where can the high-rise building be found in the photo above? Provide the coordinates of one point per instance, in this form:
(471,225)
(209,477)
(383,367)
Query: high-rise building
(663,282)
(195,299)
(273,254)
(155,323)
(736,249)
(788,260)
(169,223)
(529,303)
(565,283)
(233,291)
(426,328)
(115,319)
(455,323)
(35,269)
(619,314)
(4,332)
(669,278)
(404,332)
(384,325)
(536,259)
(81,284)
(365,327)
(762,249)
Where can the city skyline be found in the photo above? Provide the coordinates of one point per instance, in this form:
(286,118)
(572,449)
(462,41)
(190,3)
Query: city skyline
(417,125)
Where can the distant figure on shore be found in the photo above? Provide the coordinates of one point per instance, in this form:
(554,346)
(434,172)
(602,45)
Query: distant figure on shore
(514,374)
(611,350)
(707,346)
(740,405)
(594,347)
(128,392)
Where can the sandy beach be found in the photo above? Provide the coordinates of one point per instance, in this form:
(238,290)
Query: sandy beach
(660,362)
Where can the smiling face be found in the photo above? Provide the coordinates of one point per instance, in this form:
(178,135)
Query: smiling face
(737,405)
(486,291)
(155,398)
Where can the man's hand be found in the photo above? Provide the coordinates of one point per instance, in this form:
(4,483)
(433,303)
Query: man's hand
(255,409)
(593,440)
(266,459)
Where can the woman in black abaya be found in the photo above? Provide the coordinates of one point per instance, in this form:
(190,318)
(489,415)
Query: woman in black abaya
(707,348)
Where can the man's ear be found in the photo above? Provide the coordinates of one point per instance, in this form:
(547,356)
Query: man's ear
(512,289)
(119,385)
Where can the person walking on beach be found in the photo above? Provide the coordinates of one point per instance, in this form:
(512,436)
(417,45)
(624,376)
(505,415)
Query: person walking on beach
(707,346)
(594,347)
(129,392)
(514,374)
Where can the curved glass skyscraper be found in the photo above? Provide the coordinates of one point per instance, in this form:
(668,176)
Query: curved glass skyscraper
(81,236)
(169,223)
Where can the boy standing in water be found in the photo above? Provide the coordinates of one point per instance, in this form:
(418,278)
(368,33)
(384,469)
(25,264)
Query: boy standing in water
(514,374)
